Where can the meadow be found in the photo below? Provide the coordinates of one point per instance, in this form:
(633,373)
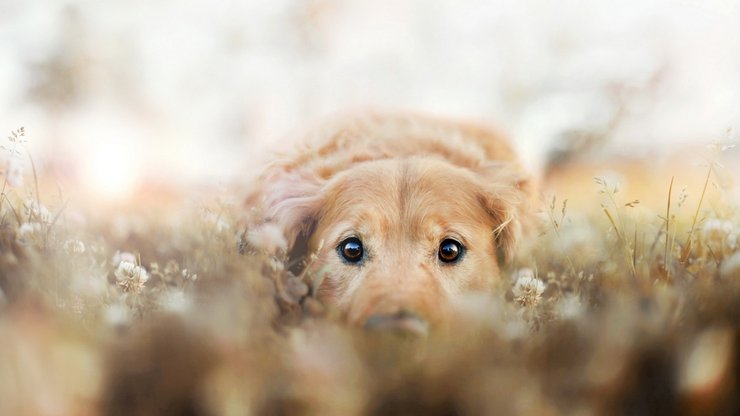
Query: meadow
(165,305)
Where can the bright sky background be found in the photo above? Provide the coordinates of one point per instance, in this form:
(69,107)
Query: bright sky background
(119,90)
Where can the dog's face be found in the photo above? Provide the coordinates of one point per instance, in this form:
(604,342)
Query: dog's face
(399,238)
(402,236)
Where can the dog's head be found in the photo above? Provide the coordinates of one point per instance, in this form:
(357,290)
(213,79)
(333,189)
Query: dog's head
(395,239)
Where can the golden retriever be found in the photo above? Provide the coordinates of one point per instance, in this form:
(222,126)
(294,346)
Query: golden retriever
(402,212)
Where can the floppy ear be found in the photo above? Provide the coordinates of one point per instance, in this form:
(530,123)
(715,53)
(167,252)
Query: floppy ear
(507,194)
(289,199)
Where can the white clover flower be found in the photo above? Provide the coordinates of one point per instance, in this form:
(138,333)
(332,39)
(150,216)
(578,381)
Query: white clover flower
(131,277)
(528,289)
(29,232)
(73,246)
(37,212)
(268,238)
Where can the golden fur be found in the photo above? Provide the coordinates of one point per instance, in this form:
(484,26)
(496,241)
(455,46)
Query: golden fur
(401,184)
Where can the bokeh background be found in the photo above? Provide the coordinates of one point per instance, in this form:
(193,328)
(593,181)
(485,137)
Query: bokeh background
(118,93)
(121,287)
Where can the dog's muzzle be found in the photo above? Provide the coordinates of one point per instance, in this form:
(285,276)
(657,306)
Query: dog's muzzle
(402,322)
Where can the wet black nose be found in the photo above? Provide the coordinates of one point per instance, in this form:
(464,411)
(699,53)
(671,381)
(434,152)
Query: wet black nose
(402,322)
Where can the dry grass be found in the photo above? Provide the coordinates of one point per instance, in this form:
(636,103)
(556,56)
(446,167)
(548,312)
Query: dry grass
(153,310)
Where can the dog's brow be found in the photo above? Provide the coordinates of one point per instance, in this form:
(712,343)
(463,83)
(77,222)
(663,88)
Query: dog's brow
(404,187)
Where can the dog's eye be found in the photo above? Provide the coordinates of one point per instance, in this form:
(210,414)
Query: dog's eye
(351,249)
(450,250)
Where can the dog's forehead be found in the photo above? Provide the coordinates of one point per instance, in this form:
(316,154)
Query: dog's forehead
(408,190)
(381,180)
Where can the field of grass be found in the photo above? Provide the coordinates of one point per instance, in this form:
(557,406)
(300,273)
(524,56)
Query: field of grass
(615,307)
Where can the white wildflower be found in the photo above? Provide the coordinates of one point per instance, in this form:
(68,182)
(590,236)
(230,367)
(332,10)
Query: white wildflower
(187,274)
(528,289)
(131,277)
(73,246)
(268,238)
(36,212)
(29,232)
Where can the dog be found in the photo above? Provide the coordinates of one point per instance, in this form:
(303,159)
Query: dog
(402,213)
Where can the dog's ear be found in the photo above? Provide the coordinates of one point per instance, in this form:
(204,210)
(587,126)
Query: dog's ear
(507,194)
(290,200)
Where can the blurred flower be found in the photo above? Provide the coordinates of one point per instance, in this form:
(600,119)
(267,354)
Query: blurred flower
(29,232)
(122,256)
(188,275)
(718,236)
(730,266)
(528,289)
(171,268)
(35,211)
(515,329)
(268,238)
(73,246)
(175,301)
(130,276)
(716,230)
(569,307)
(116,314)
(89,285)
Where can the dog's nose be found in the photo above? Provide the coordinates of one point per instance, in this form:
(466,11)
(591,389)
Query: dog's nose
(402,322)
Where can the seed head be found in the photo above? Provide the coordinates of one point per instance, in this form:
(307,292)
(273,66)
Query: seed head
(131,277)
(528,289)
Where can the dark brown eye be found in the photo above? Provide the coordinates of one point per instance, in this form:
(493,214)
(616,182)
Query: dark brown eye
(450,251)
(351,250)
